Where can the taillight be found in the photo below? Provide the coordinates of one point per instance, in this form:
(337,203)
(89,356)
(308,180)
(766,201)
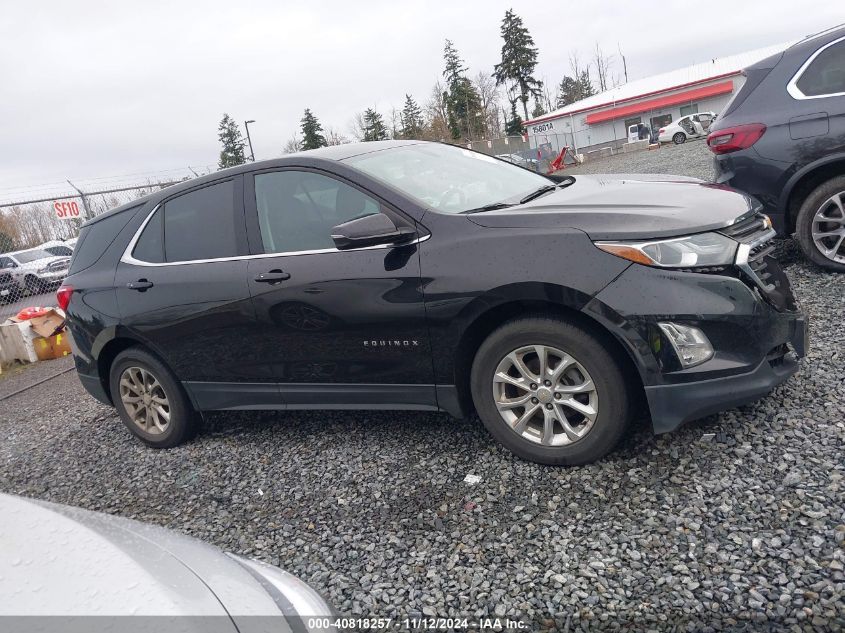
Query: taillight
(732,139)
(661,130)
(63,296)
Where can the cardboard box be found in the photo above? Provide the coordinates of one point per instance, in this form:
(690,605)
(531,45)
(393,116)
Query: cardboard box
(56,346)
(48,324)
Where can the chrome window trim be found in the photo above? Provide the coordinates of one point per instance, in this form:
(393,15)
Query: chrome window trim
(792,86)
(127,257)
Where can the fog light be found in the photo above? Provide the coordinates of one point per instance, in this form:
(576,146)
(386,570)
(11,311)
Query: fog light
(691,345)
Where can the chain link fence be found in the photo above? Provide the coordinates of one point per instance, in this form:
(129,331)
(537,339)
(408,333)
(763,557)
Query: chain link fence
(536,152)
(37,238)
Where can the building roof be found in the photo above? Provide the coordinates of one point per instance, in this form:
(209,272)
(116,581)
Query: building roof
(682,77)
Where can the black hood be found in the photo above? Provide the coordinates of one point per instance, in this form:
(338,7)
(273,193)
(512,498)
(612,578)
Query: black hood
(628,207)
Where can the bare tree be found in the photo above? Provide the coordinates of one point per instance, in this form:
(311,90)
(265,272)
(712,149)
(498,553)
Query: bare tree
(395,122)
(602,64)
(292,145)
(488,94)
(437,114)
(624,62)
(357,126)
(334,137)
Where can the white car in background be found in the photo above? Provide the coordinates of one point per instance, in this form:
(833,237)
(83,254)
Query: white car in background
(35,269)
(59,247)
(65,562)
(690,126)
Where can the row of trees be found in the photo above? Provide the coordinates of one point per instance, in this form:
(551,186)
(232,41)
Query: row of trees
(460,108)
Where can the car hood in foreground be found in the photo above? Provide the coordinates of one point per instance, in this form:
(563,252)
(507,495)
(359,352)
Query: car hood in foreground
(627,207)
(64,561)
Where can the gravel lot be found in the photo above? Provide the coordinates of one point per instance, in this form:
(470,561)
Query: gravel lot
(736,522)
(690,159)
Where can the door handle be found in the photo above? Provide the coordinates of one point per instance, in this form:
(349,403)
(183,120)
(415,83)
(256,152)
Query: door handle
(141,285)
(274,276)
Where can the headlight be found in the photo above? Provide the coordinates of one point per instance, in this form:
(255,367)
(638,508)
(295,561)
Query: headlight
(692,251)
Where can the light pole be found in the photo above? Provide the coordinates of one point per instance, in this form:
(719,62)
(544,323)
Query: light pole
(249,140)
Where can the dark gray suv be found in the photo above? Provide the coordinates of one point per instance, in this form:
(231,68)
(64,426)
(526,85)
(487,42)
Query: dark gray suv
(782,140)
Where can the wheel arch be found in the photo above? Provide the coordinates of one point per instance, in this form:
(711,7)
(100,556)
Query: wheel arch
(494,315)
(804,181)
(111,343)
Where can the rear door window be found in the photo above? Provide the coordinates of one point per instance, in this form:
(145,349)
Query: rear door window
(826,74)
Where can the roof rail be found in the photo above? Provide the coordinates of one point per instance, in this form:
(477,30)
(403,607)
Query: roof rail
(819,34)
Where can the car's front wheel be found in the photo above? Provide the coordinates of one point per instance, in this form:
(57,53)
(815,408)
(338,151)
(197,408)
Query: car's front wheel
(149,399)
(679,138)
(34,285)
(820,226)
(550,392)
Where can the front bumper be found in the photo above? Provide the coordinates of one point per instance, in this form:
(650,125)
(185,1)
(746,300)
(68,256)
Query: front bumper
(675,404)
(756,345)
(52,277)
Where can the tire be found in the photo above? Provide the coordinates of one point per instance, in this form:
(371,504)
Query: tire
(679,138)
(820,201)
(131,364)
(612,404)
(34,285)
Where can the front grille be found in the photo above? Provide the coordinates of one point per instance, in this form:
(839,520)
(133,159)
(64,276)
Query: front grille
(758,267)
(59,265)
(5,278)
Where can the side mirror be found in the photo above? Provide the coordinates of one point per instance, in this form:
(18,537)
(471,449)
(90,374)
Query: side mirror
(370,230)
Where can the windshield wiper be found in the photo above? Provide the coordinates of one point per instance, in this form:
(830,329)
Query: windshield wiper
(539,192)
(490,207)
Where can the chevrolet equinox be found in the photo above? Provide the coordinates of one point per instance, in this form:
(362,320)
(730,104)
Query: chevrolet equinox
(411,275)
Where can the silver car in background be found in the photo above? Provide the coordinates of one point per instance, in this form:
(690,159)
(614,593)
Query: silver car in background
(63,565)
(34,269)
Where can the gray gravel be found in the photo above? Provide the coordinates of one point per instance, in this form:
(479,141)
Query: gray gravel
(736,522)
(690,159)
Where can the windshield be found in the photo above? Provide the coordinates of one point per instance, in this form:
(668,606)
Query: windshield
(449,179)
(24,257)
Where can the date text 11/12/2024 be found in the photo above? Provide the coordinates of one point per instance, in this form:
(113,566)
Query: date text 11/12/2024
(417,624)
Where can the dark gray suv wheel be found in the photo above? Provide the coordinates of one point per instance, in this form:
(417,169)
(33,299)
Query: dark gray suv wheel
(820,226)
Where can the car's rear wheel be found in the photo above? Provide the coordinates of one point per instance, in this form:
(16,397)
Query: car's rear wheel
(550,392)
(679,138)
(820,226)
(149,399)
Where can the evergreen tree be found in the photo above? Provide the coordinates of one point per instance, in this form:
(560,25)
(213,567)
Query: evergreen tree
(374,129)
(312,132)
(230,137)
(411,119)
(462,99)
(538,110)
(571,90)
(519,59)
(513,126)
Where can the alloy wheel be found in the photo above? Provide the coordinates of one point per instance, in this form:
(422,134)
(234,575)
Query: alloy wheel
(545,395)
(828,228)
(145,400)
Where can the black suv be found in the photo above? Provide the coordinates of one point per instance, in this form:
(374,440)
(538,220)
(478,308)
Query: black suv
(409,275)
(782,139)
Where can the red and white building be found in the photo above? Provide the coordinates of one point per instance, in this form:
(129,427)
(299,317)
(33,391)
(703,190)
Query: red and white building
(603,119)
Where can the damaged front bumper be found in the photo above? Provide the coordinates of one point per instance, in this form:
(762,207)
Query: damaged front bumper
(758,338)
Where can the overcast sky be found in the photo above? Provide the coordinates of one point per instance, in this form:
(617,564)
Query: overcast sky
(101,89)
